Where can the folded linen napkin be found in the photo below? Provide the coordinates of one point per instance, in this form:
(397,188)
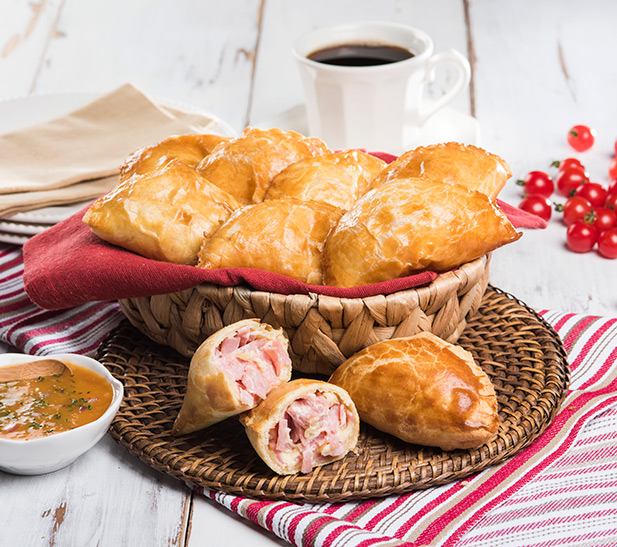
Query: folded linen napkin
(560,490)
(44,163)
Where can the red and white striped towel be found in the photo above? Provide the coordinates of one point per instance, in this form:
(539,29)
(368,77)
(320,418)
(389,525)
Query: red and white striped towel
(560,491)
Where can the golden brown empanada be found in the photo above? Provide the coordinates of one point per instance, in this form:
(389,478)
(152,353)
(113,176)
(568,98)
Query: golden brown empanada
(301,425)
(410,225)
(453,163)
(284,236)
(231,372)
(422,390)
(190,149)
(161,215)
(337,178)
(246,165)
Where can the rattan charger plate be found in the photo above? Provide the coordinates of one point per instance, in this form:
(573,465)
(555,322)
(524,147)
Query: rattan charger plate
(520,352)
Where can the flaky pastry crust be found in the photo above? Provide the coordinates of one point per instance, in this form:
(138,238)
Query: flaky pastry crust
(211,395)
(284,236)
(337,178)
(263,419)
(422,390)
(162,215)
(246,165)
(411,225)
(189,149)
(451,162)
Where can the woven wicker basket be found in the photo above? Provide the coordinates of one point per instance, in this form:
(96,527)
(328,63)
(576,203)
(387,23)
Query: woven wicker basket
(323,330)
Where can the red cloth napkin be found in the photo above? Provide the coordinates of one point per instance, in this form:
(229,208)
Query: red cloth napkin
(67,266)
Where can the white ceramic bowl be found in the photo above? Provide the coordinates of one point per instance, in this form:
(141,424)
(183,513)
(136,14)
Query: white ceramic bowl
(47,454)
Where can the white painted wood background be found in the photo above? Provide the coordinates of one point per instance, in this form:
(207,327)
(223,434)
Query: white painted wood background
(539,67)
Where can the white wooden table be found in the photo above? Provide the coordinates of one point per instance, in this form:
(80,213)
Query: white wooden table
(538,68)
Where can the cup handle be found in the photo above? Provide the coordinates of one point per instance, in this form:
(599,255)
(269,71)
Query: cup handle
(464,76)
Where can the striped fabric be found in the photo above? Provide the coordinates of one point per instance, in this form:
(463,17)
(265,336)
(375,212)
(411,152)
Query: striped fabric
(560,491)
(35,331)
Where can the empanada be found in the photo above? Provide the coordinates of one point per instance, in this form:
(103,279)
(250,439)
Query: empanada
(284,236)
(190,149)
(301,425)
(337,178)
(422,390)
(410,225)
(162,215)
(231,372)
(453,163)
(246,165)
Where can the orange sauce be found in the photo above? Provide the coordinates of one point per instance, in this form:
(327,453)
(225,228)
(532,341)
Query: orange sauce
(38,407)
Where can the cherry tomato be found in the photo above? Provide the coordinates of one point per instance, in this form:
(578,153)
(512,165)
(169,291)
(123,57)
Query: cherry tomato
(569,180)
(581,237)
(537,182)
(581,137)
(576,208)
(607,243)
(568,162)
(538,205)
(612,187)
(612,169)
(604,218)
(615,147)
(593,192)
(611,201)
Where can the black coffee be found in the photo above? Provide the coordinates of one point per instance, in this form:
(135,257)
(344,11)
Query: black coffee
(360,55)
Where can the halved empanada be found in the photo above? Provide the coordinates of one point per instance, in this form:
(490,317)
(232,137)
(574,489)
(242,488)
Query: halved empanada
(453,163)
(284,236)
(161,215)
(411,225)
(231,372)
(337,178)
(301,425)
(190,149)
(422,390)
(246,165)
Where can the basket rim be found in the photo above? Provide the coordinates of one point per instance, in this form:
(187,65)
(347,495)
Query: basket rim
(443,279)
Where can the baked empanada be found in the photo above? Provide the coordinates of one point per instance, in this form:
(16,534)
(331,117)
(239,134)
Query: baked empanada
(190,149)
(337,178)
(284,236)
(162,215)
(453,163)
(410,225)
(246,165)
(301,425)
(422,390)
(231,372)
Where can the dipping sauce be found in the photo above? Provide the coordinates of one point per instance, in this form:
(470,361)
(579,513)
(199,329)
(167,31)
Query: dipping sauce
(42,406)
(360,55)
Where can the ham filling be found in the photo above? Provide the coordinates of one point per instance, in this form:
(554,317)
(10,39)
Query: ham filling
(254,364)
(311,431)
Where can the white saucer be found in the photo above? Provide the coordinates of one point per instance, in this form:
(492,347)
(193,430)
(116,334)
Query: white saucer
(13,239)
(47,215)
(446,125)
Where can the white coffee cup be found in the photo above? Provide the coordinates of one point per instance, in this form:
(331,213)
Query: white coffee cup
(372,107)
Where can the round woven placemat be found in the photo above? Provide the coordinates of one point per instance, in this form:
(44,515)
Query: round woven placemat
(520,352)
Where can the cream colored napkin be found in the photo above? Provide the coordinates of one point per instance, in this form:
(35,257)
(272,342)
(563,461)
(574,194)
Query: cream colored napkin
(49,162)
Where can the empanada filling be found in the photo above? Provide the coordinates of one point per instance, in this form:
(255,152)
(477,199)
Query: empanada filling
(254,364)
(312,431)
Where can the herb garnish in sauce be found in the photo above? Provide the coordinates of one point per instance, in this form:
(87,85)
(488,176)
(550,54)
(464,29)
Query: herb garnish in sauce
(41,406)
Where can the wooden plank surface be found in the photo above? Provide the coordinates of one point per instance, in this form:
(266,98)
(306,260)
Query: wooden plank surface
(534,79)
